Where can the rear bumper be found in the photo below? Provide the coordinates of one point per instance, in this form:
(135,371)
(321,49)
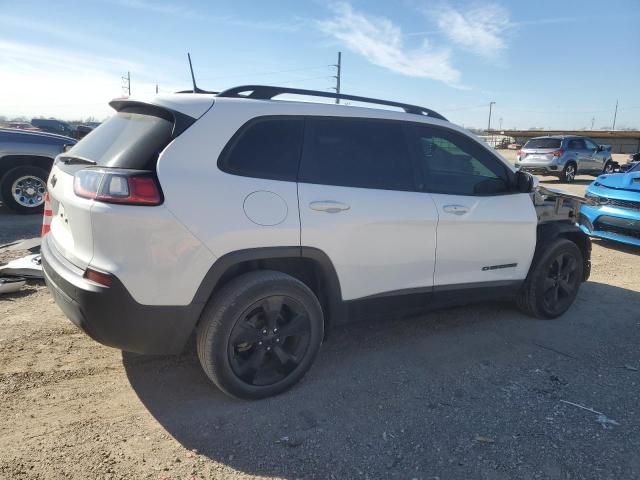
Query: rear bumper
(110,315)
(539,169)
(617,224)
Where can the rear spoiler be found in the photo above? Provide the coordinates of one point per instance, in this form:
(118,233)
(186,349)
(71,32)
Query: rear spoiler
(179,120)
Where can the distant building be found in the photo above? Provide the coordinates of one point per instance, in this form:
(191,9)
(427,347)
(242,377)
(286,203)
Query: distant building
(621,141)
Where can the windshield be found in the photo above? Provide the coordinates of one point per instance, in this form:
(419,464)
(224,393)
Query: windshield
(126,140)
(543,143)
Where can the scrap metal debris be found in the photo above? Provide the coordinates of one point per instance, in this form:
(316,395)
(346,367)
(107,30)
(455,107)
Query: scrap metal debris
(27,267)
(11,284)
(601,418)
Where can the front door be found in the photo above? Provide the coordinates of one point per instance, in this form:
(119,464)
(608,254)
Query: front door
(486,231)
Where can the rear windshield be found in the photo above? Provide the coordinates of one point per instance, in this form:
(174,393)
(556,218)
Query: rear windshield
(126,140)
(543,143)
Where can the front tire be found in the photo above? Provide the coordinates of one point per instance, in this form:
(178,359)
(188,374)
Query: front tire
(259,334)
(569,172)
(23,189)
(553,281)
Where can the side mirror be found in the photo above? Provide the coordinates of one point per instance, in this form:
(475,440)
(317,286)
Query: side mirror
(523,182)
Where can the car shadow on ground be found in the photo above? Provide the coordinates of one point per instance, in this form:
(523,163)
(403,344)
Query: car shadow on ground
(557,182)
(462,393)
(621,247)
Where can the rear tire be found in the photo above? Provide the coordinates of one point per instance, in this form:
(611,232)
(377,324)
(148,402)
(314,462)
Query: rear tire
(569,172)
(259,334)
(553,281)
(23,188)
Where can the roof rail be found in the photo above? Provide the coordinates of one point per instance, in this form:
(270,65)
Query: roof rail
(265,92)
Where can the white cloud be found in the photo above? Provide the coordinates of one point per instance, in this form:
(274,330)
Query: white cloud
(480,29)
(380,41)
(39,80)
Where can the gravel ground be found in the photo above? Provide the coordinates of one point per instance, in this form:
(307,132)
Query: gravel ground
(474,392)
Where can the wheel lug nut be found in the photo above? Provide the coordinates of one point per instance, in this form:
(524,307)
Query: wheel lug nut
(268,348)
(275,330)
(264,332)
(277,340)
(259,343)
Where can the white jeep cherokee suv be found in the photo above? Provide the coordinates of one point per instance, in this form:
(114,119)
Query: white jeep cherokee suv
(260,223)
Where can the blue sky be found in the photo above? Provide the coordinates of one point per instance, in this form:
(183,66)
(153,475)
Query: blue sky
(554,64)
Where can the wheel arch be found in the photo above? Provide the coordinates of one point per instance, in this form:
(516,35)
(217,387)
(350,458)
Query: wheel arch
(309,265)
(550,231)
(9,162)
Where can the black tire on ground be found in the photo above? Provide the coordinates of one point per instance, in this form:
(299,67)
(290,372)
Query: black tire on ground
(260,334)
(569,172)
(35,175)
(609,167)
(553,281)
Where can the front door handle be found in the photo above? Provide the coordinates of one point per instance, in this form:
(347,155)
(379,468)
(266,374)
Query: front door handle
(329,206)
(456,209)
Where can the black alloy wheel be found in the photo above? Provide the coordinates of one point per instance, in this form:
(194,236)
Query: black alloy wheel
(269,340)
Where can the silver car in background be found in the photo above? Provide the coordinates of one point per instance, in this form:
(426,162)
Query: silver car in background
(565,157)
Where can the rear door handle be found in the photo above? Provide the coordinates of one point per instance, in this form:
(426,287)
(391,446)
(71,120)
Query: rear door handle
(329,206)
(456,209)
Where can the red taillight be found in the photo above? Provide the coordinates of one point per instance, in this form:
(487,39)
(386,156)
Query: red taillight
(557,153)
(100,278)
(117,186)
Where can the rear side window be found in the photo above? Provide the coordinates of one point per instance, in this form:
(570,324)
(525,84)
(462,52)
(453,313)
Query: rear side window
(356,153)
(543,143)
(265,148)
(457,165)
(576,144)
(126,140)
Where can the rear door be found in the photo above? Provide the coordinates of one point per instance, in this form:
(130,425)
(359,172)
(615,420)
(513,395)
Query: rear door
(486,232)
(360,204)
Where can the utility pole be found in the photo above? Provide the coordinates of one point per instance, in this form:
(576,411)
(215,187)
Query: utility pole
(500,123)
(593,121)
(615,114)
(156,88)
(491,104)
(127,83)
(337,76)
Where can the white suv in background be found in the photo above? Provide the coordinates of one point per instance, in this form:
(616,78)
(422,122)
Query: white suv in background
(260,223)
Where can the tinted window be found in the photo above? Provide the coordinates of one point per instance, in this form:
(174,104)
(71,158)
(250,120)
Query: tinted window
(265,148)
(576,144)
(126,140)
(356,153)
(590,144)
(543,143)
(455,164)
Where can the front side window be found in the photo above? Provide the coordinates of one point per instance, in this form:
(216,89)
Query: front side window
(454,164)
(356,153)
(590,144)
(265,148)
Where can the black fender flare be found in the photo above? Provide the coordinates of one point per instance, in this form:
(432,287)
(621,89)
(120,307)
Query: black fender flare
(570,231)
(330,291)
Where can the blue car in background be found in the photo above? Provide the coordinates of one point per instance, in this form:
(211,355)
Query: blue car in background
(615,212)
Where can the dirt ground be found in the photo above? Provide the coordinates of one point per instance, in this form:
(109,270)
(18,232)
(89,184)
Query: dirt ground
(474,392)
